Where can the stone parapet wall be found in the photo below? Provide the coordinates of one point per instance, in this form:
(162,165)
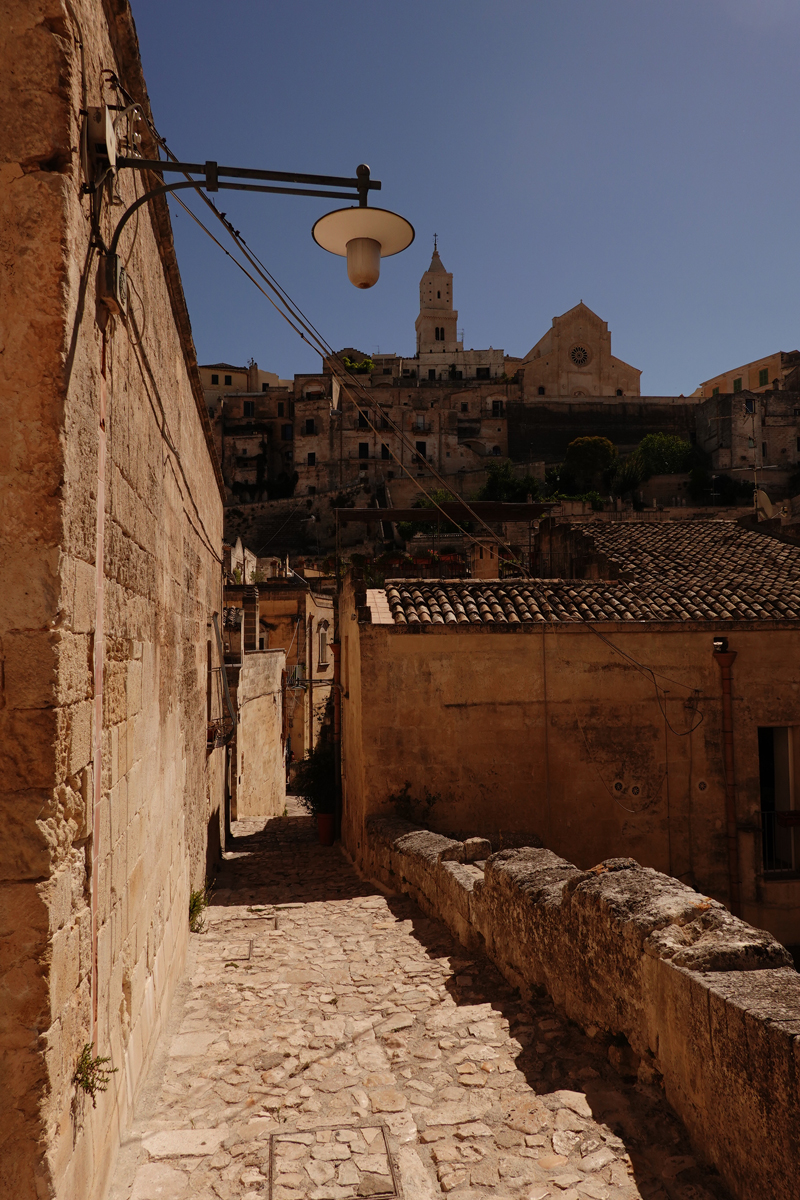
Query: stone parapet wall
(709,1005)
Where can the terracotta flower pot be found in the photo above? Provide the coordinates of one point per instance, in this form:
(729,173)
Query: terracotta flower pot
(326,827)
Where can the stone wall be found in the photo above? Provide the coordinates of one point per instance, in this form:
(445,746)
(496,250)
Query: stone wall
(109,572)
(707,1006)
(554,732)
(260,769)
(542,429)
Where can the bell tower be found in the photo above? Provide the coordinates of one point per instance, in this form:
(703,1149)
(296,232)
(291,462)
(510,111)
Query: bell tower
(436,324)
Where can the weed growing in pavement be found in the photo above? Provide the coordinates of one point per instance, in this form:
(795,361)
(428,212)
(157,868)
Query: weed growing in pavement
(198,903)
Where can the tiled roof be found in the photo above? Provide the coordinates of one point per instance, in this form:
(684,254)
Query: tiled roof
(679,571)
(721,551)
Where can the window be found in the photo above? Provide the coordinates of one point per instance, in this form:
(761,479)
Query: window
(763,451)
(422,449)
(288,456)
(619,391)
(387,370)
(363,423)
(438,295)
(322,634)
(265,387)
(419,422)
(751,442)
(280,408)
(363,449)
(437,333)
(243,451)
(798,443)
(715,391)
(228,380)
(310,425)
(465,408)
(482,373)
(497,408)
(737,384)
(540,391)
(777,752)
(211,413)
(496,451)
(749,405)
(214,379)
(312,491)
(763,377)
(287,433)
(249,408)
(311,459)
(385,450)
(431,373)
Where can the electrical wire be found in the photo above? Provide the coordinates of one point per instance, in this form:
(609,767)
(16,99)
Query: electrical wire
(651,674)
(295,317)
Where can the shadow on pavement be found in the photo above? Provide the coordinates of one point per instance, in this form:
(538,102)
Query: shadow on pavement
(263,867)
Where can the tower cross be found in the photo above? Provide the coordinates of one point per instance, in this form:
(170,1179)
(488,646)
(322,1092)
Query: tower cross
(435,236)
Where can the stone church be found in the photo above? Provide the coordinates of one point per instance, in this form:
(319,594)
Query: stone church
(574,359)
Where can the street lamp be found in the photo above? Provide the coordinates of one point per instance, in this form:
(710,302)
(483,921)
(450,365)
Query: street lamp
(361,234)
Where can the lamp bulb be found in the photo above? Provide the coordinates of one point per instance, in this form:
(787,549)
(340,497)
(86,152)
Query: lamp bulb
(363,262)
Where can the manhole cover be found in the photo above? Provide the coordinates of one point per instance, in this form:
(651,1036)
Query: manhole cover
(355,1157)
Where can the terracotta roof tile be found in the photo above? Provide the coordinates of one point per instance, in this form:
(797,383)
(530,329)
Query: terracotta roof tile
(677,571)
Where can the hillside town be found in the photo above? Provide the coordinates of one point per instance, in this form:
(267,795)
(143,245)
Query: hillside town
(399,767)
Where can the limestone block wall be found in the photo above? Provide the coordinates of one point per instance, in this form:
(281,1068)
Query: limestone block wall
(109,572)
(710,1006)
(261,771)
(530,732)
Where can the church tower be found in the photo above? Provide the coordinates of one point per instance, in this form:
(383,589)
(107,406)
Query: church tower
(436,324)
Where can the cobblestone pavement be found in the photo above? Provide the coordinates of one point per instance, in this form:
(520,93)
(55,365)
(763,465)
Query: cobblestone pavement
(330,1043)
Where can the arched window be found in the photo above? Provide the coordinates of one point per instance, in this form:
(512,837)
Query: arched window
(322,635)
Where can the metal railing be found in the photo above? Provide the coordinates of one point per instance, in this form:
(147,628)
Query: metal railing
(779,840)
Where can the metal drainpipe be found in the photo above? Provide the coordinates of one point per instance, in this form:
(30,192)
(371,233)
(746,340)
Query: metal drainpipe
(725,660)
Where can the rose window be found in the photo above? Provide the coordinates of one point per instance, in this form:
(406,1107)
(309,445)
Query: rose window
(579,355)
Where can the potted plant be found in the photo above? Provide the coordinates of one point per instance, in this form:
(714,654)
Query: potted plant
(315,785)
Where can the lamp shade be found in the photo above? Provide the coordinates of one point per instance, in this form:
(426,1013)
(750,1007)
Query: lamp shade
(349,232)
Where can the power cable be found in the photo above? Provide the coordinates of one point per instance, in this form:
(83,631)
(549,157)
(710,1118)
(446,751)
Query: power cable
(318,342)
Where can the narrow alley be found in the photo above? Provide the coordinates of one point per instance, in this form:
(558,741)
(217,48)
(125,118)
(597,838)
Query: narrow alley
(331,1042)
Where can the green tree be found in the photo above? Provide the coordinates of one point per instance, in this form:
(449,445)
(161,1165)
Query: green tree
(503,484)
(627,475)
(588,459)
(665,454)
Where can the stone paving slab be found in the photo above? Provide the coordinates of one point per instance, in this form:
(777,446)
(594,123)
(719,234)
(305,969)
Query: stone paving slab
(332,1043)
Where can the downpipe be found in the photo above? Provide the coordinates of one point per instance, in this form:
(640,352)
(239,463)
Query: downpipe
(725,659)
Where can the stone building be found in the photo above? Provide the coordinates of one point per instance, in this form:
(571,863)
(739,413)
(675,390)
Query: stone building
(748,431)
(299,621)
(763,375)
(251,413)
(254,714)
(111,581)
(574,359)
(456,408)
(588,707)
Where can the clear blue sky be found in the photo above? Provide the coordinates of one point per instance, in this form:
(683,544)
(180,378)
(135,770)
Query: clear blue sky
(640,155)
